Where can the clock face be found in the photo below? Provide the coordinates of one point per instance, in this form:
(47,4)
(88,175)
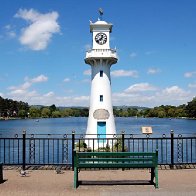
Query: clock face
(101,38)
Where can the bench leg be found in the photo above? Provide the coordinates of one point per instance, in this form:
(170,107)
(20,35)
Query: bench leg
(75,177)
(152,175)
(156,178)
(1,172)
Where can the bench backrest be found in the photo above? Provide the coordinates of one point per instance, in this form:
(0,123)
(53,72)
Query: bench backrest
(115,159)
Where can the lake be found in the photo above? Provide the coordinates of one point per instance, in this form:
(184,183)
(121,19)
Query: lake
(78,124)
(58,150)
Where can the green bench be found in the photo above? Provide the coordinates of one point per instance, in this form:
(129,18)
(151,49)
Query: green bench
(116,160)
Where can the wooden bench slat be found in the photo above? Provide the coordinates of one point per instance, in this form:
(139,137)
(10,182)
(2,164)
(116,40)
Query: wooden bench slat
(116,154)
(115,159)
(115,165)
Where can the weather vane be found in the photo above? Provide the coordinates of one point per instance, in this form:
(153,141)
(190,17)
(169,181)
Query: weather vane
(100,13)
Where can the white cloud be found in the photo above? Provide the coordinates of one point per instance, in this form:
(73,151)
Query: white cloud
(153,71)
(60,100)
(31,93)
(132,99)
(190,74)
(140,87)
(192,85)
(87,72)
(9,31)
(144,94)
(149,52)
(69,91)
(41,27)
(66,80)
(1,94)
(23,89)
(49,94)
(173,94)
(11,34)
(124,73)
(133,54)
(24,86)
(40,78)
(86,81)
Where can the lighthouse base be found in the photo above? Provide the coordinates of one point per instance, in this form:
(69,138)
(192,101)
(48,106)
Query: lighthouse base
(100,144)
(100,139)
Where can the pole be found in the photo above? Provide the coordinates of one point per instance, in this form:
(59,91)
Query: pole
(172,149)
(123,141)
(23,150)
(123,144)
(73,147)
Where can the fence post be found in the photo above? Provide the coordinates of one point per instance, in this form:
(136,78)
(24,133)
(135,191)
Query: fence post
(73,147)
(172,149)
(123,141)
(23,150)
(123,144)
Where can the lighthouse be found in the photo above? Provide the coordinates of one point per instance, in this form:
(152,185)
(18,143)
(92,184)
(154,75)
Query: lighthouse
(101,57)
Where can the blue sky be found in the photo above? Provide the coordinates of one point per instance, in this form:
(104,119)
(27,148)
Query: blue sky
(43,44)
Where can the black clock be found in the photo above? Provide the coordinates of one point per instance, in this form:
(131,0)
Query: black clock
(101,38)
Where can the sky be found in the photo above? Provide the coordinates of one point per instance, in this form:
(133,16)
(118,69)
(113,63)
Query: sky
(43,46)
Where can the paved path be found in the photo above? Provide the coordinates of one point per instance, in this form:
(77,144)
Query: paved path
(48,183)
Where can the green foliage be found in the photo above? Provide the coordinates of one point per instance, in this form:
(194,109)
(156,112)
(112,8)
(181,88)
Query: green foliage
(126,112)
(104,149)
(52,108)
(162,111)
(34,112)
(161,114)
(191,108)
(45,113)
(22,113)
(10,108)
(81,144)
(56,114)
(118,145)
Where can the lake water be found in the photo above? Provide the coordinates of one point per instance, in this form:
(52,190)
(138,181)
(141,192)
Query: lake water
(59,151)
(78,124)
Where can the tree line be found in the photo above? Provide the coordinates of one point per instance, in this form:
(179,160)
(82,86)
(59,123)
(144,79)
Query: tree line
(11,108)
(14,109)
(167,111)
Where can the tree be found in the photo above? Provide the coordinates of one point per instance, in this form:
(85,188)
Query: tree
(161,114)
(56,114)
(52,108)
(22,113)
(10,108)
(191,108)
(171,112)
(132,111)
(34,112)
(45,113)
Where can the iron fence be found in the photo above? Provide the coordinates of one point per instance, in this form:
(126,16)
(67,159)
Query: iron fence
(38,149)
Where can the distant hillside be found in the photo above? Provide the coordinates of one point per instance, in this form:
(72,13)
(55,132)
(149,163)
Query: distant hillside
(83,107)
(131,107)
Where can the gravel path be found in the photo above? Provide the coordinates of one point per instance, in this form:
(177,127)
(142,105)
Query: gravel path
(102,183)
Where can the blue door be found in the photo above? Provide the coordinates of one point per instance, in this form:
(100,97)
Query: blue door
(101,130)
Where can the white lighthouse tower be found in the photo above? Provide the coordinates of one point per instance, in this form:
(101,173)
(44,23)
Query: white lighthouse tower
(101,57)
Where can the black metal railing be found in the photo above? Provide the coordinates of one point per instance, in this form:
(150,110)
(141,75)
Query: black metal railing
(42,149)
